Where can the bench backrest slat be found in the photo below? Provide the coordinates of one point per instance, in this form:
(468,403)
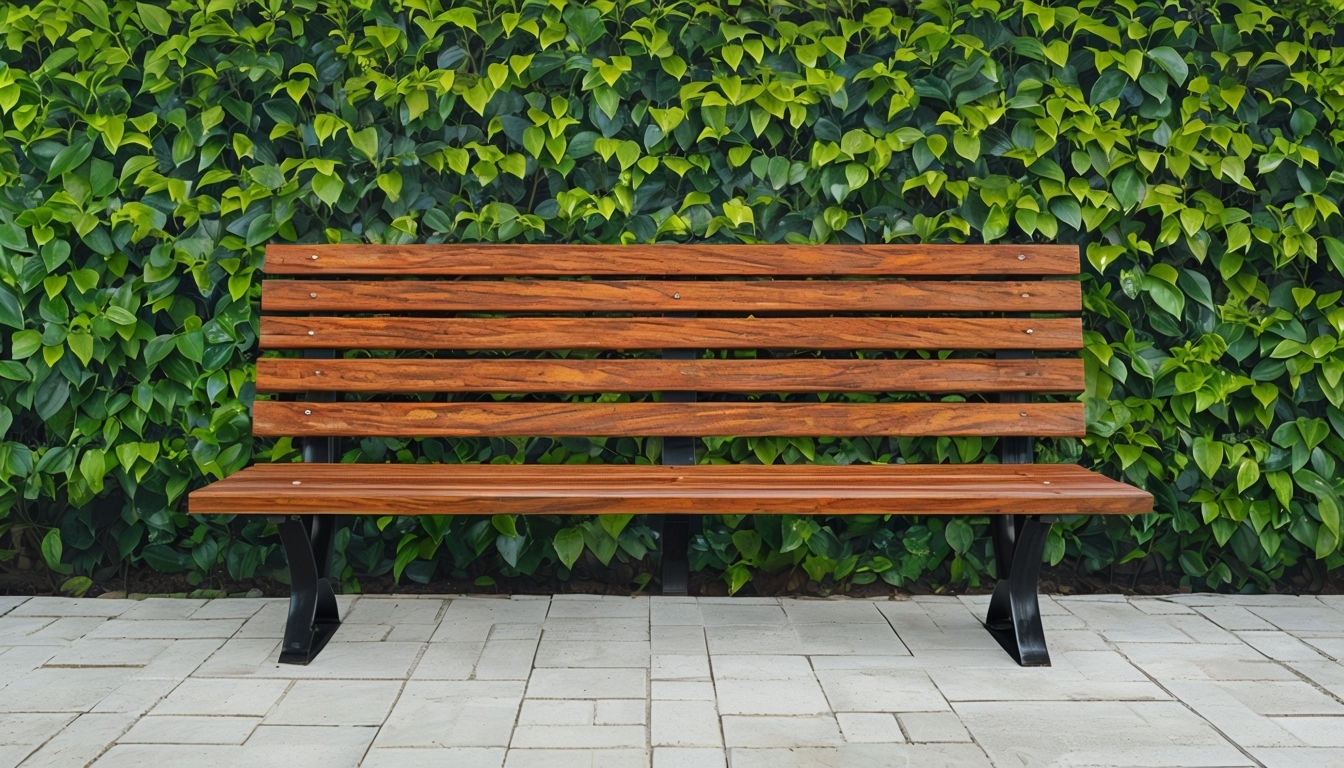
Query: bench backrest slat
(594,375)
(567,340)
(672,259)
(473,419)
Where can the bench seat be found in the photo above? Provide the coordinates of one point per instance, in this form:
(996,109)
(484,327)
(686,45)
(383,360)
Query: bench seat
(900,489)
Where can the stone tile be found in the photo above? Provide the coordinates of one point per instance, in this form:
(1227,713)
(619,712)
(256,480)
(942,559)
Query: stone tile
(563,652)
(187,729)
(843,639)
(753,638)
(153,608)
(1234,617)
(268,622)
(336,702)
(689,757)
(862,756)
(771,697)
(175,755)
(109,653)
(682,690)
(557,712)
(1298,757)
(725,614)
(138,696)
(869,727)
(1330,646)
(777,731)
(679,666)
(222,697)
(577,758)
(1188,661)
(448,661)
(842,611)
(684,724)
(678,639)
(1158,606)
(1328,675)
(61,689)
(879,690)
(43,630)
(453,714)
(1078,676)
(613,629)
(32,729)
(1281,646)
(675,611)
(933,727)
(240,657)
(591,607)
(518,609)
(80,742)
(236,607)
(588,684)
(764,667)
(10,602)
(506,659)
(1315,731)
(295,745)
(65,606)
(621,712)
(340,660)
(577,736)
(172,629)
(1301,614)
(393,610)
(425,757)
(1087,733)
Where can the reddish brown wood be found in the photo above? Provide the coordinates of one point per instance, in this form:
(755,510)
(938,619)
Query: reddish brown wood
(672,259)
(410,489)
(672,296)
(473,419)
(830,333)
(645,375)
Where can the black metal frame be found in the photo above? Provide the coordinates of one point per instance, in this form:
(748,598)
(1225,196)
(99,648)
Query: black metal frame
(1014,617)
(678,529)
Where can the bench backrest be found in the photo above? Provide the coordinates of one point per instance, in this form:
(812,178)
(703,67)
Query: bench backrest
(512,340)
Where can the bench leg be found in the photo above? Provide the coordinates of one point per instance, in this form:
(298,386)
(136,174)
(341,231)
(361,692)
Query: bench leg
(1014,612)
(313,615)
(676,566)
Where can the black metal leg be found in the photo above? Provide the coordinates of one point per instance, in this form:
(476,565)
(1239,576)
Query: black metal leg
(676,565)
(1014,612)
(313,615)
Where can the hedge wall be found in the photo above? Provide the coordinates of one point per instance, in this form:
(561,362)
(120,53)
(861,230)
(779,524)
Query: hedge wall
(1193,149)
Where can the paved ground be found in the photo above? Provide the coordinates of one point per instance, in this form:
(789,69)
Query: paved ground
(1193,680)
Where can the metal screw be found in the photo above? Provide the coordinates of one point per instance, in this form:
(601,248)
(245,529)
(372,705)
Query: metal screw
(317,373)
(314,295)
(312,333)
(1025,295)
(676,295)
(1020,257)
(1023,414)
(314,257)
(307,411)
(297,482)
(1029,330)
(1045,482)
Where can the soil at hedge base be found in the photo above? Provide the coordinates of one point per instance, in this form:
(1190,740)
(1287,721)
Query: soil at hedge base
(621,579)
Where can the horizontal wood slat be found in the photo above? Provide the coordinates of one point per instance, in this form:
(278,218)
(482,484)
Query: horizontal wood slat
(671,296)
(672,259)
(828,333)
(472,419)
(606,375)
(409,489)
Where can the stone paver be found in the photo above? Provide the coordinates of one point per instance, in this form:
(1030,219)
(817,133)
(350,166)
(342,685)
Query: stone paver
(673,682)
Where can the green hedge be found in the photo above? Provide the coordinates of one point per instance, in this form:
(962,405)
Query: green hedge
(1193,149)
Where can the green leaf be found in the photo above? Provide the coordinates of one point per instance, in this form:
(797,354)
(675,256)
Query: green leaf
(614,524)
(156,19)
(1208,455)
(959,535)
(52,549)
(1171,62)
(507,525)
(568,544)
(328,187)
(1128,187)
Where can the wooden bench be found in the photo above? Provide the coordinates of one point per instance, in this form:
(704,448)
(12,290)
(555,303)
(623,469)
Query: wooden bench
(699,340)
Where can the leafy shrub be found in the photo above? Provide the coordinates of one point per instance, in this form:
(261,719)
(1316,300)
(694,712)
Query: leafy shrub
(1193,150)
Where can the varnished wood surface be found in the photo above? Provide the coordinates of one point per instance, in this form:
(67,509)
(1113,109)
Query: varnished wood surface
(645,375)
(552,296)
(828,333)
(388,489)
(671,259)
(473,419)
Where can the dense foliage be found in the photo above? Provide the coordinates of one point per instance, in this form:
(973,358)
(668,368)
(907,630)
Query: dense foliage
(1194,149)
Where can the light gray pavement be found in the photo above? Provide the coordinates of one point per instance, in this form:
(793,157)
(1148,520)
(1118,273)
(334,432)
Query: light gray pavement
(652,682)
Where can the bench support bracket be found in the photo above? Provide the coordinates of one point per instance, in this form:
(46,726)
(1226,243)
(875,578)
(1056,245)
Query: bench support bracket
(1014,611)
(313,615)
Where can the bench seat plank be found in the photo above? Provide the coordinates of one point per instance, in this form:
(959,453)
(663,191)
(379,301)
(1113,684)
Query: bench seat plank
(412,489)
(273,418)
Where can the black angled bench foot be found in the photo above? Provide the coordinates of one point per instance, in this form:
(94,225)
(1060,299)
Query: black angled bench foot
(313,616)
(1014,612)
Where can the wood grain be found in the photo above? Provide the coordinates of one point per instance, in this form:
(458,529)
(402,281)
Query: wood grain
(514,375)
(671,259)
(752,296)
(412,489)
(476,419)
(644,333)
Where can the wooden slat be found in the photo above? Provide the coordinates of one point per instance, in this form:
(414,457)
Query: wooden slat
(670,296)
(828,333)
(475,419)
(671,259)
(392,489)
(642,375)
